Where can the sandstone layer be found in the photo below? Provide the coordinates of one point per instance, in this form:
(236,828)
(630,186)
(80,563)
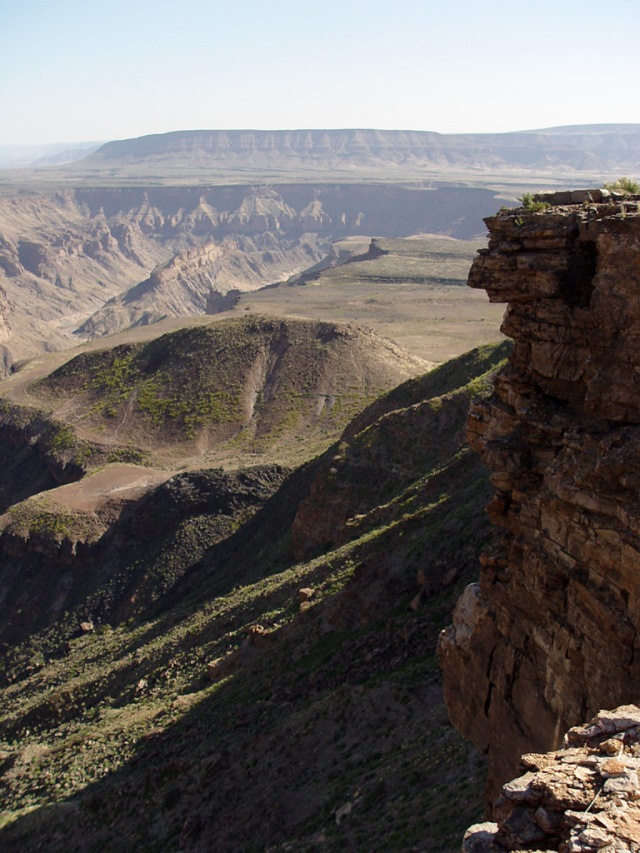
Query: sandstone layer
(589,148)
(582,798)
(550,634)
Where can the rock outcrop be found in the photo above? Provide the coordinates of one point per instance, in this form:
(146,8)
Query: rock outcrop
(550,634)
(582,798)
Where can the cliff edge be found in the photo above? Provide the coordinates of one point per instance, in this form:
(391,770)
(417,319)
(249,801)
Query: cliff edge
(579,799)
(550,634)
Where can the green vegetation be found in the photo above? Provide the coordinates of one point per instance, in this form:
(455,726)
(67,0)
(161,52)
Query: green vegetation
(531,204)
(626,186)
(337,698)
(243,386)
(40,518)
(53,440)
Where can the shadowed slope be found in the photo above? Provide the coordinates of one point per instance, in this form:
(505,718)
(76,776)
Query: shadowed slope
(324,723)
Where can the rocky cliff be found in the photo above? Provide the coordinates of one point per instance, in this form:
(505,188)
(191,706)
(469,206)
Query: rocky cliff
(580,799)
(550,634)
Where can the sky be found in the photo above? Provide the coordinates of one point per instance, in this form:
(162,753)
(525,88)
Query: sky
(84,70)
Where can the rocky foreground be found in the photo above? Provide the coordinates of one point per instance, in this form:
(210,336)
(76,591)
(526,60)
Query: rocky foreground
(582,798)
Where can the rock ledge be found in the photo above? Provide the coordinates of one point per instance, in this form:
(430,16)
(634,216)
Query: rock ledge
(582,798)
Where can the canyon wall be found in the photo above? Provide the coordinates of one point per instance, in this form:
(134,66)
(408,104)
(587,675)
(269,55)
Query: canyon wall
(608,148)
(550,633)
(89,262)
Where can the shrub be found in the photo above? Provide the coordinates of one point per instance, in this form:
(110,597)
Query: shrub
(626,186)
(530,204)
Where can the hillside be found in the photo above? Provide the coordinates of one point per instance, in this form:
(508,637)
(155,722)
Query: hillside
(83,443)
(210,657)
(234,387)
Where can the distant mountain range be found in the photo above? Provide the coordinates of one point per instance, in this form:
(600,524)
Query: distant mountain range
(558,155)
(57,153)
(580,148)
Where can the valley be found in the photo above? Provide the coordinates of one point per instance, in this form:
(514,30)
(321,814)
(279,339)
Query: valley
(224,608)
(247,576)
(79,264)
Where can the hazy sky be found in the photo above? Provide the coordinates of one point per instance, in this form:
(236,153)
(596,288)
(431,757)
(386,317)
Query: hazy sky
(87,70)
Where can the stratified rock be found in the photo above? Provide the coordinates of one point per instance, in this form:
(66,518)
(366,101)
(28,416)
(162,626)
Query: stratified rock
(566,801)
(551,633)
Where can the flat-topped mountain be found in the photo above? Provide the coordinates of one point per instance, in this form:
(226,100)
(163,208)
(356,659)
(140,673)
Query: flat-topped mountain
(558,156)
(610,148)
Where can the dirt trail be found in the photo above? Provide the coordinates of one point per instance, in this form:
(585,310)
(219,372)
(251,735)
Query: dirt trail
(119,482)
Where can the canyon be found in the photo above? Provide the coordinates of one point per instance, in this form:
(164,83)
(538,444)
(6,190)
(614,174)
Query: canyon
(232,545)
(158,673)
(549,636)
(80,263)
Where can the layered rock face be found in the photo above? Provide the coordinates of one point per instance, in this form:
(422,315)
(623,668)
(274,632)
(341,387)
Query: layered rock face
(582,798)
(550,634)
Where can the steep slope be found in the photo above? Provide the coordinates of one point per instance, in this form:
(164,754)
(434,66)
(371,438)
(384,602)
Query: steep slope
(417,427)
(78,467)
(206,280)
(166,723)
(551,633)
(110,546)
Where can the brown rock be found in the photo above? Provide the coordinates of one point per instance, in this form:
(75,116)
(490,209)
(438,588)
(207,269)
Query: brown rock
(558,807)
(480,838)
(613,768)
(214,670)
(260,637)
(306,593)
(555,622)
(611,746)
